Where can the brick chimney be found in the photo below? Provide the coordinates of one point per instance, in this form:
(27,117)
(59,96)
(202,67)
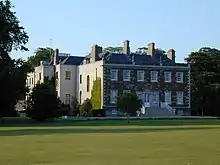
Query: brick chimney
(95,52)
(171,54)
(126,48)
(55,57)
(151,49)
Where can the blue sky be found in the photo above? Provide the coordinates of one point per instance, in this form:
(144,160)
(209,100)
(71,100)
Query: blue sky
(75,25)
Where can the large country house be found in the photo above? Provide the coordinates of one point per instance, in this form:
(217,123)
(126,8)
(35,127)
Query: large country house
(157,79)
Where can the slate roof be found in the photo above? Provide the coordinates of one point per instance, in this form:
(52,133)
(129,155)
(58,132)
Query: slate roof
(138,59)
(73,60)
(69,60)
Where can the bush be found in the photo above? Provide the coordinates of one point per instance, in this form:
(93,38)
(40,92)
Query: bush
(42,103)
(86,108)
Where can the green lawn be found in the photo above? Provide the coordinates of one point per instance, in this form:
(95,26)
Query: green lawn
(152,142)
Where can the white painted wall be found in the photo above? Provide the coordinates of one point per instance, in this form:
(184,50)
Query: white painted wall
(66,86)
(89,69)
(34,77)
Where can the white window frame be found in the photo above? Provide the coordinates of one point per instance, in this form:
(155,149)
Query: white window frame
(114,75)
(113,96)
(179,77)
(140,75)
(179,98)
(126,91)
(154,79)
(167,77)
(67,99)
(68,77)
(128,76)
(168,97)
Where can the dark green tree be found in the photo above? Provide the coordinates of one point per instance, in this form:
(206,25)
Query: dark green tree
(41,54)
(111,49)
(129,103)
(12,72)
(42,103)
(205,81)
(86,108)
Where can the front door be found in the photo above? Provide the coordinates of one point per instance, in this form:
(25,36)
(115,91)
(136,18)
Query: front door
(152,98)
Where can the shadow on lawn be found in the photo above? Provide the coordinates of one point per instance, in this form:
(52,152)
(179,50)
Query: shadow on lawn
(21,132)
(97,123)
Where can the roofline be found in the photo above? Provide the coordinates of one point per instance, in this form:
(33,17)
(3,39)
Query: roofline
(148,66)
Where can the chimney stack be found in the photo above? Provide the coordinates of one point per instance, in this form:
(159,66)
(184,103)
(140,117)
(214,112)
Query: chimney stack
(95,52)
(151,49)
(171,54)
(126,48)
(55,57)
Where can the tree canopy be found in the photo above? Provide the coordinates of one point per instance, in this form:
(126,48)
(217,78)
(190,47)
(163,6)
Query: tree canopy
(41,54)
(111,49)
(129,103)
(13,73)
(205,81)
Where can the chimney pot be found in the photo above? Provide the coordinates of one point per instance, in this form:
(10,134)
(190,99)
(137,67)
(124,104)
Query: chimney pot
(126,47)
(151,49)
(171,54)
(95,52)
(55,57)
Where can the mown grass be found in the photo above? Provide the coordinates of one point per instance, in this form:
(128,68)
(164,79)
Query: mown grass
(141,142)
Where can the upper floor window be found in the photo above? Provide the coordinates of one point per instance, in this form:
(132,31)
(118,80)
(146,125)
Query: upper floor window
(179,98)
(179,77)
(40,76)
(154,76)
(126,75)
(67,75)
(114,75)
(80,79)
(167,76)
(140,75)
(88,84)
(32,81)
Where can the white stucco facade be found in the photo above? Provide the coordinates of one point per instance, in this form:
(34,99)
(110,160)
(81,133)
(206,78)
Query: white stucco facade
(66,88)
(93,70)
(43,70)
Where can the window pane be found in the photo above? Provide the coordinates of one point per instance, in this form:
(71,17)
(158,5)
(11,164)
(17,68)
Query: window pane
(126,75)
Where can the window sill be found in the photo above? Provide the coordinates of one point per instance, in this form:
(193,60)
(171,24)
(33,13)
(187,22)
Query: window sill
(153,81)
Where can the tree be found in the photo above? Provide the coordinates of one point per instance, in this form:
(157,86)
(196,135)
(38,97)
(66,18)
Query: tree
(129,103)
(86,108)
(42,103)
(205,81)
(96,94)
(12,72)
(111,49)
(41,54)
(158,51)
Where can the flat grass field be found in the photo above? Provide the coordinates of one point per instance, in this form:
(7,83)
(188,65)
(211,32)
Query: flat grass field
(141,142)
